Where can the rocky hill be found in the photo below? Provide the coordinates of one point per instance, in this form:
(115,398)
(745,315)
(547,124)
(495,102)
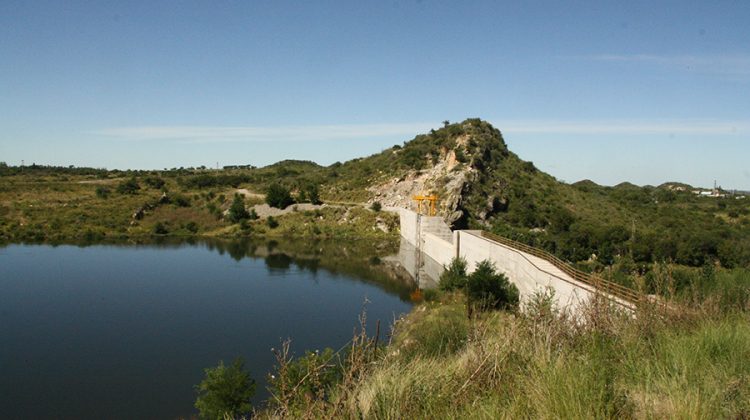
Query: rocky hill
(482,184)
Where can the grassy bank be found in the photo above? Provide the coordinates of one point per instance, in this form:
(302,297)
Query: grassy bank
(538,363)
(56,207)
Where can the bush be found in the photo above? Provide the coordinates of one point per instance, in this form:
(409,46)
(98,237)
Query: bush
(272,223)
(160,229)
(313,374)
(376,206)
(237,211)
(154,182)
(489,289)
(430,295)
(278,196)
(312,194)
(182,201)
(225,391)
(128,187)
(454,276)
(102,192)
(192,227)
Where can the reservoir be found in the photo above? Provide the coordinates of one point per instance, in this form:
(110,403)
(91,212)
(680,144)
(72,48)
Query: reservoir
(125,330)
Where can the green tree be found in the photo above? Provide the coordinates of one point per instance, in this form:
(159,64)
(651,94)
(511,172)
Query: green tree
(454,277)
(489,289)
(278,196)
(312,193)
(225,391)
(237,211)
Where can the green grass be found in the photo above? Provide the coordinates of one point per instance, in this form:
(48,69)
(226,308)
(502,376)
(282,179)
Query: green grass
(542,364)
(43,207)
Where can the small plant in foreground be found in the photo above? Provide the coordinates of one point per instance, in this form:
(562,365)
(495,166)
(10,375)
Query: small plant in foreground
(225,392)
(376,206)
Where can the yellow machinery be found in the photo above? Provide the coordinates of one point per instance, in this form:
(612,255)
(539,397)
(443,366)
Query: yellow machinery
(426,203)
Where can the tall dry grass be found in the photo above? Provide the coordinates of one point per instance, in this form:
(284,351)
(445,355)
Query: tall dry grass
(545,363)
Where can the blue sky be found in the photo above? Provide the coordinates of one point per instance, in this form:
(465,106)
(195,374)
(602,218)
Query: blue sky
(645,92)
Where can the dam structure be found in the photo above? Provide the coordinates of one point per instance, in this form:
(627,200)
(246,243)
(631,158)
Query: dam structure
(532,270)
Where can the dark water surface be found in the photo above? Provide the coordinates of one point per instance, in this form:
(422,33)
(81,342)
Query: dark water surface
(109,331)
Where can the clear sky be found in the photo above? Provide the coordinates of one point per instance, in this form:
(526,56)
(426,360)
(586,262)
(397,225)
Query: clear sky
(645,92)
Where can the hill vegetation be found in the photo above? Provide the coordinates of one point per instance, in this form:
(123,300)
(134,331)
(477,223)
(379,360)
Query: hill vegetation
(480,183)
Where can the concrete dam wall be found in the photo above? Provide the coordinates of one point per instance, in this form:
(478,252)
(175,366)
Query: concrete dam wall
(530,273)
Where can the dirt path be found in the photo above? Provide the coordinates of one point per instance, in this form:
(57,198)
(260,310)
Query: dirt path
(249,194)
(264,210)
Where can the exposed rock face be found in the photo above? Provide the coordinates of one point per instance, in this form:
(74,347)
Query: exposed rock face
(460,163)
(492,206)
(447,178)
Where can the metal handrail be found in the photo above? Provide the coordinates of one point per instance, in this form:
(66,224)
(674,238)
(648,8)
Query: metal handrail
(597,282)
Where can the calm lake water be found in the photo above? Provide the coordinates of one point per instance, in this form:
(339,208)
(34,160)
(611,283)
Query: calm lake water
(125,331)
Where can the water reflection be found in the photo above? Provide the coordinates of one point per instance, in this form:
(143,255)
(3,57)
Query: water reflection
(399,267)
(108,324)
(421,268)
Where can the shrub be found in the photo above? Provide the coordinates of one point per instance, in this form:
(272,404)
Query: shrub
(376,206)
(430,295)
(182,201)
(154,182)
(313,374)
(160,229)
(192,227)
(278,196)
(128,187)
(237,210)
(225,391)
(460,156)
(312,193)
(252,215)
(491,290)
(272,223)
(454,276)
(102,192)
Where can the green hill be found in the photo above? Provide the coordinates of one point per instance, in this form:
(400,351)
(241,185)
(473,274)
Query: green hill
(580,222)
(480,183)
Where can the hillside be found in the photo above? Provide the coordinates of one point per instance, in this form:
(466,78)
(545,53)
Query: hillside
(482,184)
(479,182)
